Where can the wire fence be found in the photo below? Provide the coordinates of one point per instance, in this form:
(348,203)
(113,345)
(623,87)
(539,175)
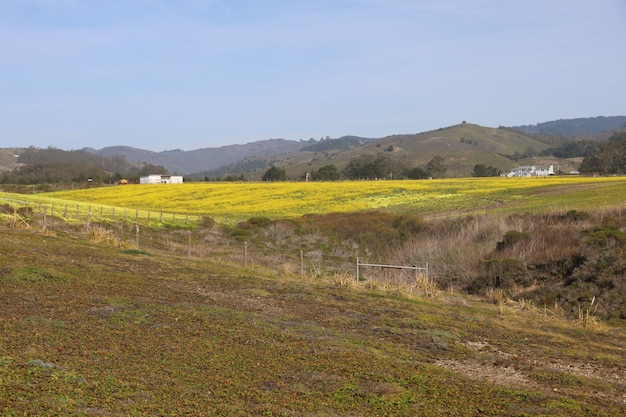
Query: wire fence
(144,230)
(156,232)
(86,212)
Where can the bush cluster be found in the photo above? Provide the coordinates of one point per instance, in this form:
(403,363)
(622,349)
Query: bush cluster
(565,258)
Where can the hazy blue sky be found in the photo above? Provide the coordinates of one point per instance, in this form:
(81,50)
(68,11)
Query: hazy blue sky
(165,74)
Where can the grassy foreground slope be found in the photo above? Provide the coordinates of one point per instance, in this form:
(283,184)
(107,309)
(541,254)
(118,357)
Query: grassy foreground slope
(92,330)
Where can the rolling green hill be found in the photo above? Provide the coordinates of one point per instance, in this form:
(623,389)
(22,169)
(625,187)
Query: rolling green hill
(462,146)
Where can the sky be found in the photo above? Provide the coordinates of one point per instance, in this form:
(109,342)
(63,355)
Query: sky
(190,74)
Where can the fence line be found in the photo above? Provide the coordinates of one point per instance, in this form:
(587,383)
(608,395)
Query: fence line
(102,213)
(399,267)
(180,241)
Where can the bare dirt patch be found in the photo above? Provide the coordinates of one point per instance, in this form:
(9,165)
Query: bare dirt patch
(505,369)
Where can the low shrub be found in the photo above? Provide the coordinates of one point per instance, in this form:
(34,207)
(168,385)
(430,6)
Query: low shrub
(260,221)
(502,274)
(605,237)
(409,224)
(206,222)
(510,238)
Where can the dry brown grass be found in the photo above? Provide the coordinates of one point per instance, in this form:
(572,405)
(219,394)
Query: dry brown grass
(453,249)
(106,236)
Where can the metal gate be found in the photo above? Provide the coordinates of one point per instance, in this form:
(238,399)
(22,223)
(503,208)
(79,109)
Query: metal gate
(416,269)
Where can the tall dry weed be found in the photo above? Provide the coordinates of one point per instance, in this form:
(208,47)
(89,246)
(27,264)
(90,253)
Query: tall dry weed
(498,297)
(587,315)
(544,244)
(453,250)
(15,220)
(104,236)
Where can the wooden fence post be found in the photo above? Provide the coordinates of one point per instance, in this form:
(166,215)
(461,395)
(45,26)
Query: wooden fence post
(45,223)
(245,253)
(189,243)
(13,220)
(301,263)
(137,235)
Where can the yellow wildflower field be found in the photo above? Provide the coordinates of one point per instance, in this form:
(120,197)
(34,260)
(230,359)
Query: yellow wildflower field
(234,201)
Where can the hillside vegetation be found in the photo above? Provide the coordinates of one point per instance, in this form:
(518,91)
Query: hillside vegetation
(193,161)
(583,126)
(53,167)
(462,146)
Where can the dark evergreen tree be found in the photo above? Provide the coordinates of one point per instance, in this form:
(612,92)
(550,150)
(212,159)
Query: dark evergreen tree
(481,170)
(369,167)
(416,173)
(436,167)
(274,173)
(609,158)
(326,173)
(150,169)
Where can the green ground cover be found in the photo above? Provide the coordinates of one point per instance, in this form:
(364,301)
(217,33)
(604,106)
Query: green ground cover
(92,330)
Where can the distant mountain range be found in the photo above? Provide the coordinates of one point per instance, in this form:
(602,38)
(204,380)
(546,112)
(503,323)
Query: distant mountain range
(576,127)
(187,162)
(462,146)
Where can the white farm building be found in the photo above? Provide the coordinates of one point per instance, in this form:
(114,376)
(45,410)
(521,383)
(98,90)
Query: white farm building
(161,179)
(531,171)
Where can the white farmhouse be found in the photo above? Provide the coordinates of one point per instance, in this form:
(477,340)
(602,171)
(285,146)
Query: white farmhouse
(161,179)
(531,171)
